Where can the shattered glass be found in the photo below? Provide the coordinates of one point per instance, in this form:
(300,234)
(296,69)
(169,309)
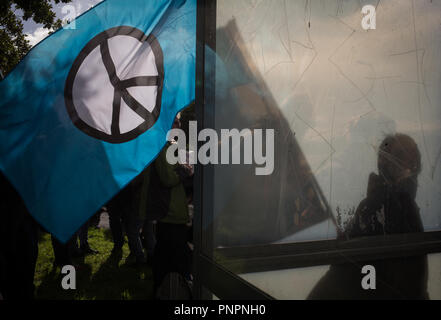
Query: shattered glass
(333,92)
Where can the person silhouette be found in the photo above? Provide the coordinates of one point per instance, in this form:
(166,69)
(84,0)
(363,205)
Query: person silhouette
(389,208)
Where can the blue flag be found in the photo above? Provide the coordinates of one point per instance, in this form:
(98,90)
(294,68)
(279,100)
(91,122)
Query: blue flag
(89,107)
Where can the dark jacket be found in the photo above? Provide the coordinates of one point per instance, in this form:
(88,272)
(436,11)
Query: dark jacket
(163,195)
(18,245)
(386,210)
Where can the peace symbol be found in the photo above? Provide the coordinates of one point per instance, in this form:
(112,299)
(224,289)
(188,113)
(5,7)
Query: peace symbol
(114,87)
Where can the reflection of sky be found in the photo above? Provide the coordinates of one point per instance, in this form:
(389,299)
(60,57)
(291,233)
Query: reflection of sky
(36,32)
(343,89)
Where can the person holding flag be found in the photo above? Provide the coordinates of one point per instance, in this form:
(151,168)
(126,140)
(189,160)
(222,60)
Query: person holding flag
(89,107)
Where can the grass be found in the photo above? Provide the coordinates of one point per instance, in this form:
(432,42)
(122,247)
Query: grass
(98,277)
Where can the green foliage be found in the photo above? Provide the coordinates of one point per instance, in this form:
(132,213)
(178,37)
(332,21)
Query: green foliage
(98,277)
(13,43)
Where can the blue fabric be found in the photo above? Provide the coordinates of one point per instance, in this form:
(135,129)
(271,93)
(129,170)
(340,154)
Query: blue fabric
(64,175)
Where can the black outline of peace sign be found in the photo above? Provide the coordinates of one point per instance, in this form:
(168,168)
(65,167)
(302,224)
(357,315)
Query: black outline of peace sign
(120,86)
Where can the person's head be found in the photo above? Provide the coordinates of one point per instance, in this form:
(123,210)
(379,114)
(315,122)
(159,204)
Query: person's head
(399,160)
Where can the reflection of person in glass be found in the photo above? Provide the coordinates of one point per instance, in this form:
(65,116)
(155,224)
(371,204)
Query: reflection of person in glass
(389,208)
(390,204)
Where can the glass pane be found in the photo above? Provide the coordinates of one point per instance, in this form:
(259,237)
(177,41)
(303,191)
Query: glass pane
(319,282)
(333,92)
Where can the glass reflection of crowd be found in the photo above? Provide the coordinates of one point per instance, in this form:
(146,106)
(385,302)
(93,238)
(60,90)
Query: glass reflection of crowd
(152,211)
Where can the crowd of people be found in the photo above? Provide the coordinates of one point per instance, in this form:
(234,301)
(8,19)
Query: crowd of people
(152,211)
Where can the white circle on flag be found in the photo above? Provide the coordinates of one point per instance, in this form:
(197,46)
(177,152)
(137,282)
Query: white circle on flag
(113,90)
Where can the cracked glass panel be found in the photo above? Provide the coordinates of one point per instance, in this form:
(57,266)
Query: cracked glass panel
(356,114)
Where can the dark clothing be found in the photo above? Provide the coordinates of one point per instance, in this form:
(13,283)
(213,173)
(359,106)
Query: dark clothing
(117,209)
(164,199)
(83,234)
(386,210)
(64,252)
(18,245)
(163,196)
(398,278)
(149,237)
(123,210)
(172,253)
